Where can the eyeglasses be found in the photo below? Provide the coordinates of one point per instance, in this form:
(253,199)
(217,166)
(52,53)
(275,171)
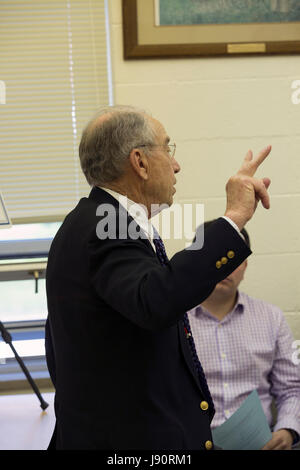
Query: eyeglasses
(169,148)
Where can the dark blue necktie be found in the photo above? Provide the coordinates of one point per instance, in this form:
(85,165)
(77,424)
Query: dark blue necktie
(162,256)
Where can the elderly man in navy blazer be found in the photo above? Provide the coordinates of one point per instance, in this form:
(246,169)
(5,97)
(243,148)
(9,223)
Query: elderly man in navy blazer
(118,343)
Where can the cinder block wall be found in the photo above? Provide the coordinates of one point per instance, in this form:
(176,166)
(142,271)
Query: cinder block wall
(215,109)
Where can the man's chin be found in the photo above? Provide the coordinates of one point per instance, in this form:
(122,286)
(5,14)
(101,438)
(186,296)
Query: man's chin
(157,208)
(226,284)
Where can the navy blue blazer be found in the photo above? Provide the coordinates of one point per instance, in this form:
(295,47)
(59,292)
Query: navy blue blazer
(115,344)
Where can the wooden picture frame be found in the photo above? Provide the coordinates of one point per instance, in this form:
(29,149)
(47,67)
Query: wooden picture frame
(142,39)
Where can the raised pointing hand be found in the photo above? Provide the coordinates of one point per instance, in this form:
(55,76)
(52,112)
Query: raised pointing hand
(244,191)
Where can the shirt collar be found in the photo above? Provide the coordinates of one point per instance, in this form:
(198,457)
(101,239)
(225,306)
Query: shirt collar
(238,307)
(137,212)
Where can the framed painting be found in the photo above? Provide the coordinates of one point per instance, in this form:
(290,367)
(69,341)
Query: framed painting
(187,28)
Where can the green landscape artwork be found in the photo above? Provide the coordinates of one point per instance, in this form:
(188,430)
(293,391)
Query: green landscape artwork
(197,12)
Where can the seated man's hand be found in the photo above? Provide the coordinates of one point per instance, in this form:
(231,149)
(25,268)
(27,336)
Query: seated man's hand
(281,440)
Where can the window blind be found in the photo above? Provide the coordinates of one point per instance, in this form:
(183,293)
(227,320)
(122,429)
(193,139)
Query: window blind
(53,62)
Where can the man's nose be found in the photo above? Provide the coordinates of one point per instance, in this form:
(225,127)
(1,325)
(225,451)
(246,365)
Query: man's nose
(176,166)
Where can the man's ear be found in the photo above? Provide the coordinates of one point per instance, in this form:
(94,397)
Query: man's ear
(139,163)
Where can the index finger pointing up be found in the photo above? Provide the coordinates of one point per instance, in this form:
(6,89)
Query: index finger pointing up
(251,164)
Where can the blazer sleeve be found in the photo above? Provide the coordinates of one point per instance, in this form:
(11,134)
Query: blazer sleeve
(127,275)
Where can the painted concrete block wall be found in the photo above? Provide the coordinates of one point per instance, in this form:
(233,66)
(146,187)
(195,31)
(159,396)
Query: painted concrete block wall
(215,109)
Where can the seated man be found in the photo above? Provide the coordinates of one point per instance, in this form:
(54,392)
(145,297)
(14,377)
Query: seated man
(246,344)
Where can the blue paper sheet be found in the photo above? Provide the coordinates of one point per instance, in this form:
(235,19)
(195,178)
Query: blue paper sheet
(246,429)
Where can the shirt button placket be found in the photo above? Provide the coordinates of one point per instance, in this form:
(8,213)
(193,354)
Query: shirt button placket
(223,362)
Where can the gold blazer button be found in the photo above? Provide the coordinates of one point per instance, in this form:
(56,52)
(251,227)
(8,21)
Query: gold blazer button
(204,405)
(208,445)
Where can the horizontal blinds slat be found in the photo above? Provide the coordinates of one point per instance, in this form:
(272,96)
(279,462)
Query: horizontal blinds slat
(51,199)
(37,93)
(88,103)
(46,192)
(49,185)
(83,42)
(44,199)
(64,196)
(53,62)
(50,71)
(29,164)
(52,23)
(31,177)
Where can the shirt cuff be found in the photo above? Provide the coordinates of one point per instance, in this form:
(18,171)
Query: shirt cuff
(233,225)
(295,436)
(288,422)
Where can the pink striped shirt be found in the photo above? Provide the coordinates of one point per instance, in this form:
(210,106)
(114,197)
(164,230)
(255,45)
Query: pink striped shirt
(251,348)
